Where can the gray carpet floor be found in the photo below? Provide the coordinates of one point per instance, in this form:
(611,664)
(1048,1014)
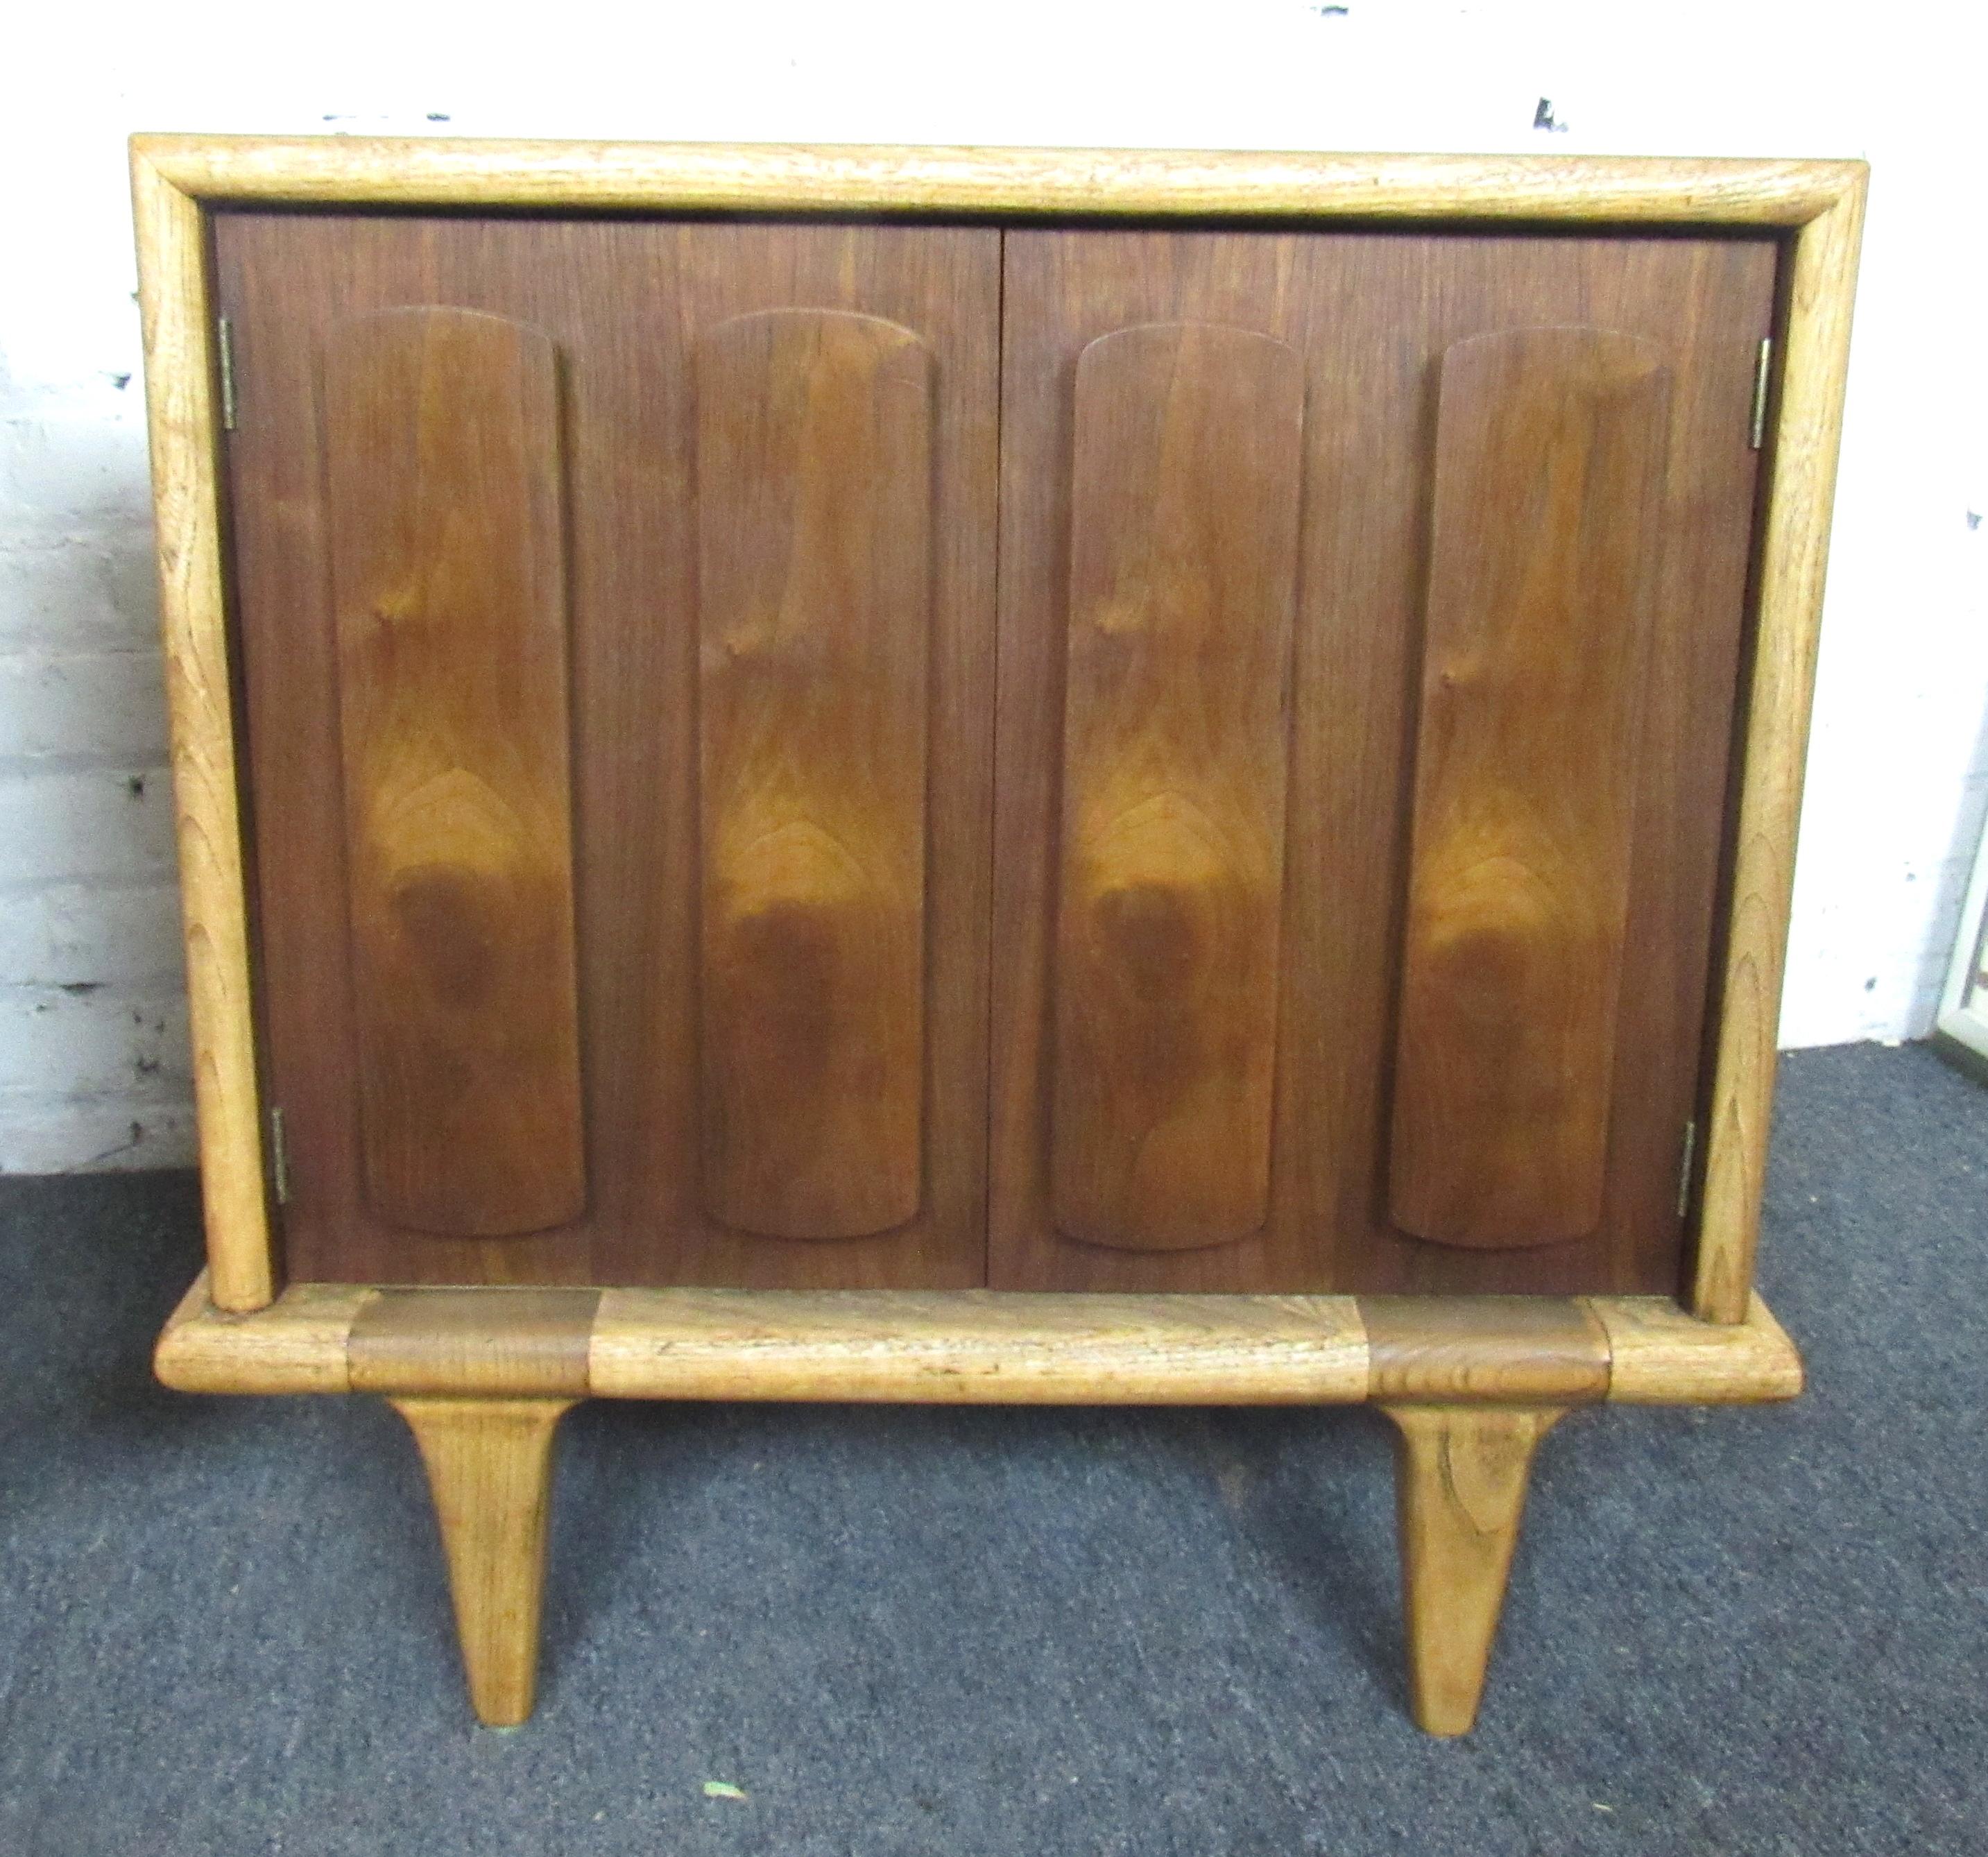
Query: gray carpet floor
(223,1626)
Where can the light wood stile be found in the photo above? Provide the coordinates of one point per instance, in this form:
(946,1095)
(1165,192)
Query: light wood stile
(1794,554)
(185,431)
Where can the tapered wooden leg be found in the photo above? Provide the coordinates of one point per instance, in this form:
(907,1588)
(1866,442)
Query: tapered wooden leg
(489,1464)
(1460,1485)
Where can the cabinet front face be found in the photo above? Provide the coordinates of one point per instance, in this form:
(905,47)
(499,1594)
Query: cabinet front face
(616,613)
(1371,610)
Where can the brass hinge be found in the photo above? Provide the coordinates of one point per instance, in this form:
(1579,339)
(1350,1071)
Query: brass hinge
(1763,362)
(224,342)
(1684,1168)
(280,1158)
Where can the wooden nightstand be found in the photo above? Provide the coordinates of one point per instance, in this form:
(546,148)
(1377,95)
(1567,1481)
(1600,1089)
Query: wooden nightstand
(986,775)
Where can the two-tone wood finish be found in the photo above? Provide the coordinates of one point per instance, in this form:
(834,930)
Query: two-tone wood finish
(1471,1399)
(482,1375)
(977,1346)
(1472,1384)
(180,184)
(778,523)
(487,1343)
(1555,853)
(1479,1349)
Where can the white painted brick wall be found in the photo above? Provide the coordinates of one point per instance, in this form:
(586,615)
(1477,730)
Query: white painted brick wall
(93,1066)
(93,1063)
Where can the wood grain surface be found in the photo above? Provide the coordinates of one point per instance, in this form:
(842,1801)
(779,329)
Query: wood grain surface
(1184,562)
(1370,316)
(984,1346)
(444,530)
(1479,1348)
(440,170)
(480,1342)
(1794,552)
(814,530)
(1549,469)
(979,1347)
(489,1464)
(626,304)
(1660,1354)
(1460,1480)
(183,420)
(294,1344)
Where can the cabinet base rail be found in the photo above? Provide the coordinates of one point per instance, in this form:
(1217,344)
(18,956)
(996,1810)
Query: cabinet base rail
(1472,1384)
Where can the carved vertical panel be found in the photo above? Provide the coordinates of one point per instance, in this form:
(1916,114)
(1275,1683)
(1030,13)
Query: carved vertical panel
(442,498)
(1183,573)
(814,513)
(1549,472)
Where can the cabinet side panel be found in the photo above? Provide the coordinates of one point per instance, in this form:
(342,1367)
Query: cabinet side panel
(442,499)
(1549,467)
(1183,570)
(814,521)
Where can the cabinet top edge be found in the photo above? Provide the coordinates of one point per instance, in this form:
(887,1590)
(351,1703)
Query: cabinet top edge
(421,171)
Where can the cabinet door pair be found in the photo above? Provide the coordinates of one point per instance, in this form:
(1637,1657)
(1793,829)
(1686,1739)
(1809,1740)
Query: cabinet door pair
(821,756)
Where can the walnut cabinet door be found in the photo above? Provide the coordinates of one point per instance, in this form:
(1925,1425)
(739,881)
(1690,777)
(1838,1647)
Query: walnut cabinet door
(845,755)
(1370,613)
(616,611)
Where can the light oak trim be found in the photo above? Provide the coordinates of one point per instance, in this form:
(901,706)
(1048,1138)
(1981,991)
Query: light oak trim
(774,178)
(1795,555)
(1661,1355)
(489,1464)
(297,1344)
(184,426)
(972,1347)
(979,1347)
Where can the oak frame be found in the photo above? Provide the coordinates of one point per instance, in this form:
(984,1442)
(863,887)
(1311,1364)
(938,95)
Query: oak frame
(178,179)
(975,1347)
